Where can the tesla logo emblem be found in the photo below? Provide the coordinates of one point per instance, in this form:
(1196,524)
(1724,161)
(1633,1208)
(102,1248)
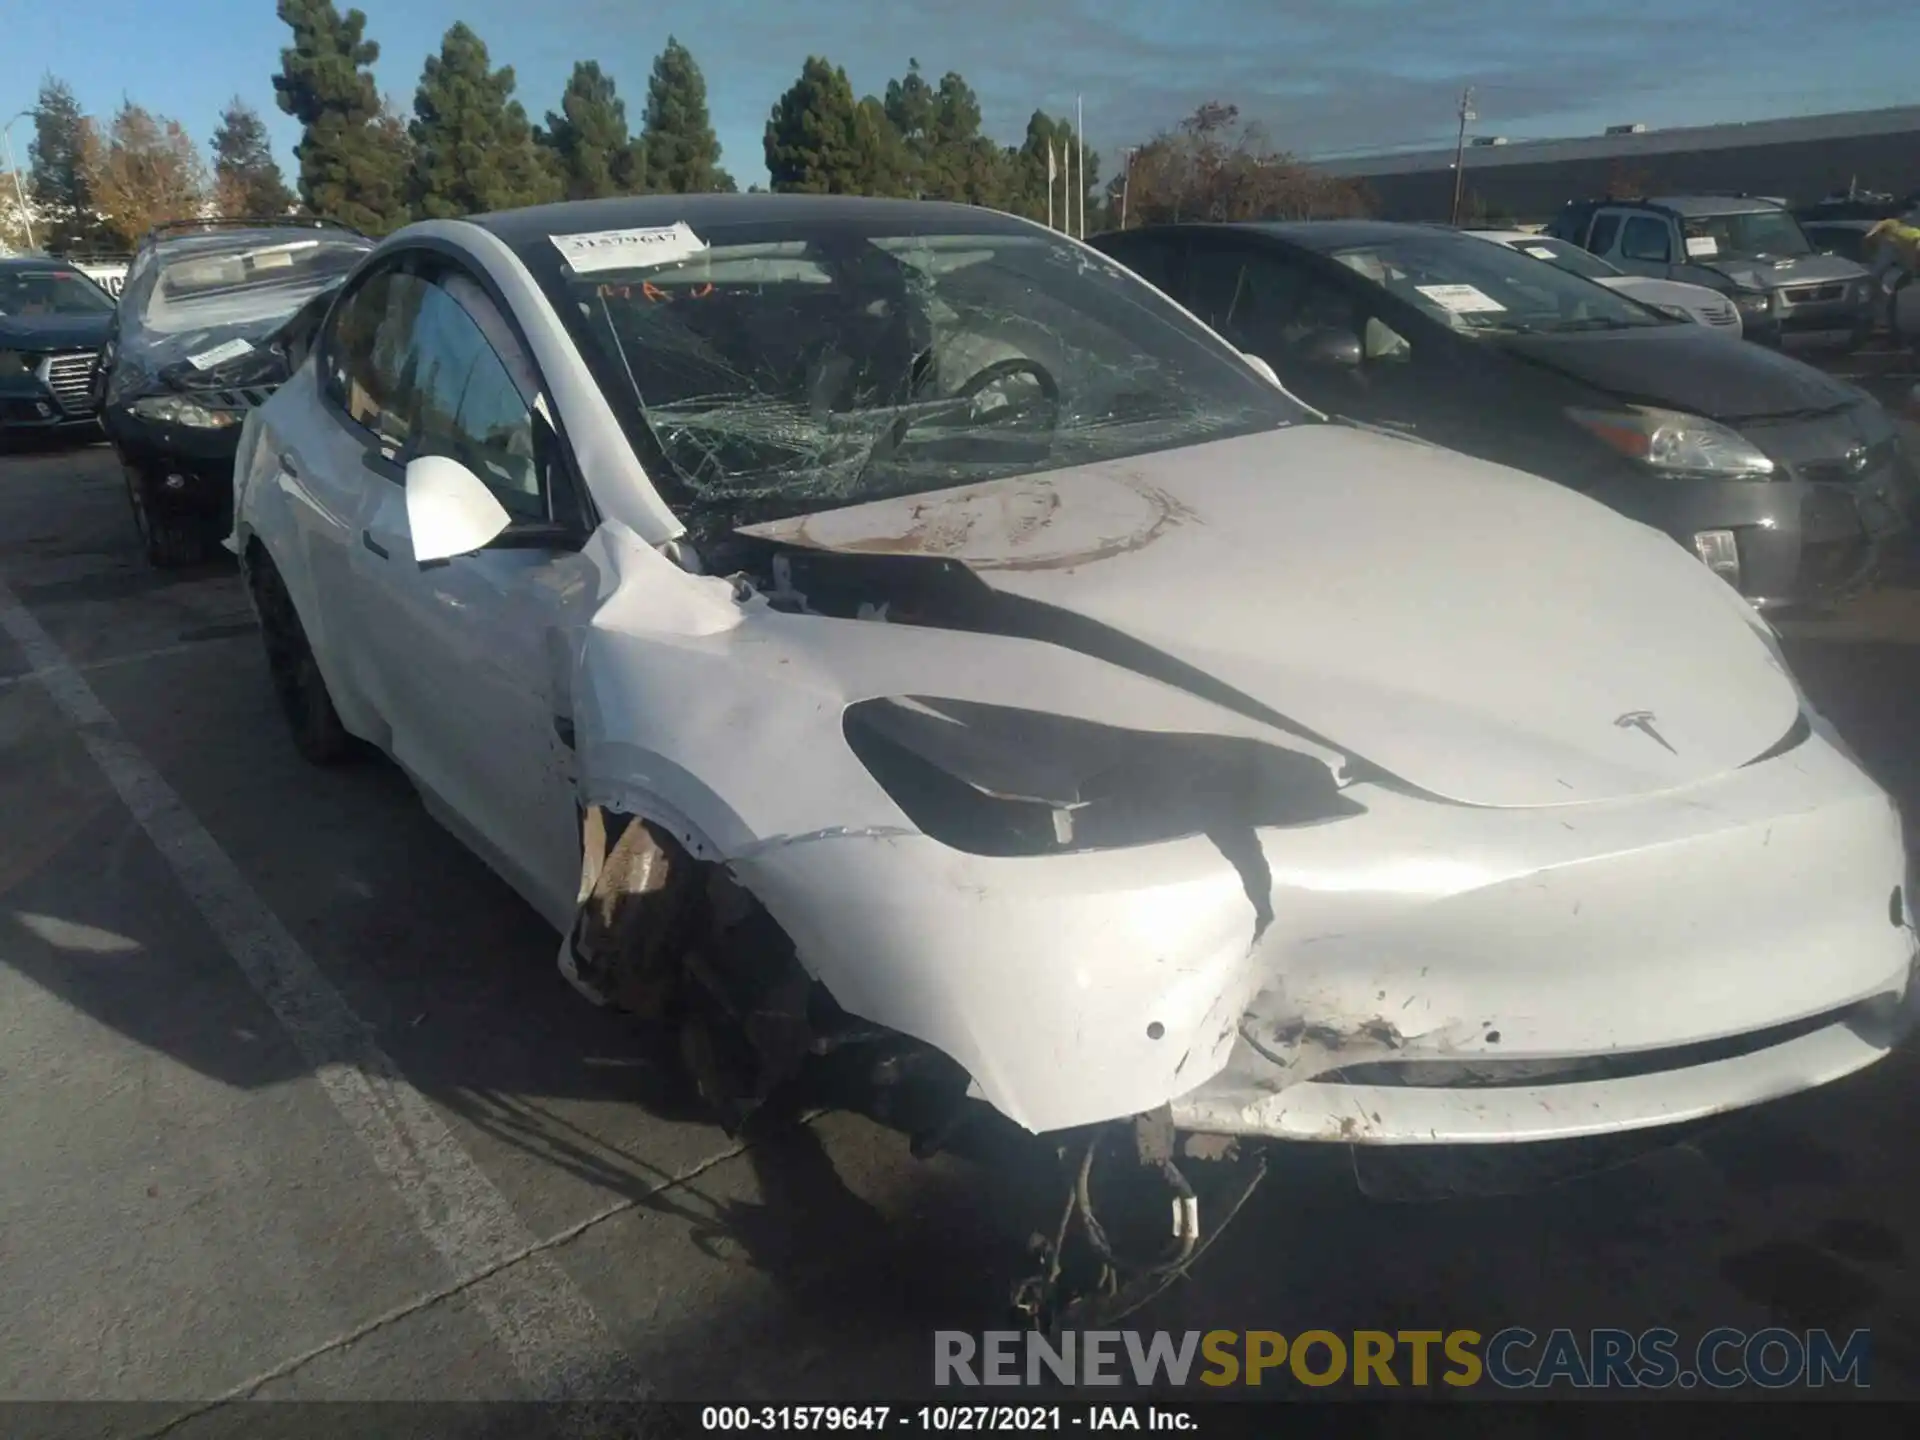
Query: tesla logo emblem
(1642,720)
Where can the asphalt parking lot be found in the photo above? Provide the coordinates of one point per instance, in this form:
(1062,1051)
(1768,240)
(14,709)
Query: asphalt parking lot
(294,1103)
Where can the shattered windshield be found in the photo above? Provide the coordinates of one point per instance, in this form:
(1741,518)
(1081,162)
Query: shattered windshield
(50,292)
(1489,289)
(234,288)
(788,373)
(1751,236)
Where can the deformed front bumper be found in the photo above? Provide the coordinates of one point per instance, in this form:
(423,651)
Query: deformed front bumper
(1692,952)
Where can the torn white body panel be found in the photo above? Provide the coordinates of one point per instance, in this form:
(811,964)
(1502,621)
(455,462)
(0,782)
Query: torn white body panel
(1081,987)
(1465,771)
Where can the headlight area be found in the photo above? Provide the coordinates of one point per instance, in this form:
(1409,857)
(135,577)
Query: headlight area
(1000,781)
(179,410)
(14,363)
(1672,442)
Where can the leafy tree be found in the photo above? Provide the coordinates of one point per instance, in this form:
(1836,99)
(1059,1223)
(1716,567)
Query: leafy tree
(682,152)
(62,200)
(589,141)
(349,168)
(143,171)
(1212,167)
(247,180)
(473,147)
(820,141)
(1026,168)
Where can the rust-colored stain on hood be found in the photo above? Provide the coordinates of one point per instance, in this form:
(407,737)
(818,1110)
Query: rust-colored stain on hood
(1047,522)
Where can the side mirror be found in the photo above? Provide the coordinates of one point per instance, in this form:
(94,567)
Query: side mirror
(449,510)
(1267,372)
(1340,349)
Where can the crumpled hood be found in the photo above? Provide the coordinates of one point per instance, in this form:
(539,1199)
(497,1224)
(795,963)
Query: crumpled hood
(1484,635)
(1686,367)
(1767,274)
(54,332)
(227,357)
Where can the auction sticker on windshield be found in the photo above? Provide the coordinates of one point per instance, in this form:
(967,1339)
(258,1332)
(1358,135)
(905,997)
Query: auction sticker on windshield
(597,250)
(1539,252)
(1460,299)
(220,354)
(1699,247)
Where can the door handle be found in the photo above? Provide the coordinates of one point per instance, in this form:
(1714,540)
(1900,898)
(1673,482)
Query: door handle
(366,539)
(288,464)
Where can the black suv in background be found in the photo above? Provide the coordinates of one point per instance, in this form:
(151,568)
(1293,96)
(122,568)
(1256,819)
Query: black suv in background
(1753,250)
(53,321)
(212,319)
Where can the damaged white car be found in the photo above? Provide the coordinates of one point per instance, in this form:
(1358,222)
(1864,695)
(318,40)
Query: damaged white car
(863,622)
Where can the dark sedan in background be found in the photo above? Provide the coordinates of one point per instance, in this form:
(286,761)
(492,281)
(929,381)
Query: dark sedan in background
(1786,482)
(53,321)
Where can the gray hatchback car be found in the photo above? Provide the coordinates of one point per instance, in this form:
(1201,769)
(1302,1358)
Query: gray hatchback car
(1788,483)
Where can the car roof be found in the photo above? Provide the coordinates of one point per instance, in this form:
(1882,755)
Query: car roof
(1505,237)
(1317,235)
(572,217)
(1714,204)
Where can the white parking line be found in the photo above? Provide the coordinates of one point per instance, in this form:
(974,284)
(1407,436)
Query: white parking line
(548,1328)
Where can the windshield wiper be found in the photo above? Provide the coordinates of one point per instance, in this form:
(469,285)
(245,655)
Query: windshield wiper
(1598,322)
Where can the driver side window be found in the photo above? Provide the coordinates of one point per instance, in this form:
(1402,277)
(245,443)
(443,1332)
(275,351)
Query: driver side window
(1646,238)
(410,360)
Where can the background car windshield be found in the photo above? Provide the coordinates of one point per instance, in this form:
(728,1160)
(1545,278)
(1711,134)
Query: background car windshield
(1767,232)
(1570,258)
(50,292)
(238,287)
(780,376)
(1477,287)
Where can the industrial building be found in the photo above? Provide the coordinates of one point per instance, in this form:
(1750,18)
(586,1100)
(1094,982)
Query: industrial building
(1800,160)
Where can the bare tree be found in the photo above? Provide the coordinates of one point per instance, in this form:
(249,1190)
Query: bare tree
(143,171)
(1213,167)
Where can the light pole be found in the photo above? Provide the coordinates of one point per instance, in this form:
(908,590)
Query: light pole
(26,211)
(1460,151)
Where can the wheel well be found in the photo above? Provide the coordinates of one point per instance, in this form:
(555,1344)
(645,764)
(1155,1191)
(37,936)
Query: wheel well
(670,937)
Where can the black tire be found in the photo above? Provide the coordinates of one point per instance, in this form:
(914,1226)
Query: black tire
(169,541)
(297,682)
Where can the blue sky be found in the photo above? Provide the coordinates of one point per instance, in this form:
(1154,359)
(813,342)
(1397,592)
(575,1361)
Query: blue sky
(1324,76)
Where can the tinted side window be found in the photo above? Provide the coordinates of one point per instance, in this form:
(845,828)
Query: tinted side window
(365,351)
(1600,239)
(1154,260)
(465,404)
(1646,238)
(1264,302)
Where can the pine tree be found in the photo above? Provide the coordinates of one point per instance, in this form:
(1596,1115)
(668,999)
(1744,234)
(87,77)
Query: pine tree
(247,180)
(473,147)
(62,199)
(589,141)
(820,141)
(909,107)
(682,152)
(350,170)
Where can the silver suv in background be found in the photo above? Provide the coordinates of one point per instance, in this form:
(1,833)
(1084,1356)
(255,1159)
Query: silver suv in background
(1749,248)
